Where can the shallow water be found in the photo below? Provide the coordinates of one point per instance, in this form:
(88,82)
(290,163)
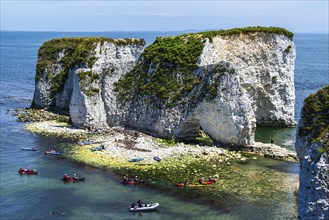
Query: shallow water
(101,196)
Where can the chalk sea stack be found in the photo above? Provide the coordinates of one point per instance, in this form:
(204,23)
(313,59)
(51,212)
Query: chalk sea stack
(224,82)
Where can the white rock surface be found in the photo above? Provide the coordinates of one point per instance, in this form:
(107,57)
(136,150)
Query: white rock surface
(257,87)
(266,72)
(313,193)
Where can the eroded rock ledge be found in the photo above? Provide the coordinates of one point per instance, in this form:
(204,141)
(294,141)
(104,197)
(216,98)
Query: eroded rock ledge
(222,82)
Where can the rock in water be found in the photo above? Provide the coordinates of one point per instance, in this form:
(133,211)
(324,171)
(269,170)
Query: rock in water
(312,146)
(224,82)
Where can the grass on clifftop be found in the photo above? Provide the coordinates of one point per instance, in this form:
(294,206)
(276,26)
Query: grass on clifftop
(172,60)
(246,30)
(78,51)
(315,116)
(165,74)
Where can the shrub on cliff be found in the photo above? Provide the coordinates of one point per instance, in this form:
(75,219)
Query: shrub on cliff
(315,116)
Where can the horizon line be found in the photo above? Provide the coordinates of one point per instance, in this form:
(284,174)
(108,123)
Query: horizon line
(189,30)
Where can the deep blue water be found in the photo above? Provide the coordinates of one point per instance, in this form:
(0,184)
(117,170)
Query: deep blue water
(32,197)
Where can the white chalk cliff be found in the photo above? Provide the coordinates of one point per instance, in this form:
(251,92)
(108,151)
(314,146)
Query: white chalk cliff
(240,80)
(312,146)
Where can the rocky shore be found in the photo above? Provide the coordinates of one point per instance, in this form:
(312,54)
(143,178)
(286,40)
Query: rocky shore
(126,144)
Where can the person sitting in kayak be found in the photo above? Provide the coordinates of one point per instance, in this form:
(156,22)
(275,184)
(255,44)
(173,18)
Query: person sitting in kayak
(75,177)
(139,203)
(186,183)
(66,177)
(200,180)
(136,179)
(21,169)
(125,179)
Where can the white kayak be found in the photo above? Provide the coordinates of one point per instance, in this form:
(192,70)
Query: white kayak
(144,208)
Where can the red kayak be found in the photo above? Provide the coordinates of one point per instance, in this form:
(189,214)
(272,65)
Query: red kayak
(209,182)
(27,171)
(190,185)
(204,183)
(72,179)
(132,182)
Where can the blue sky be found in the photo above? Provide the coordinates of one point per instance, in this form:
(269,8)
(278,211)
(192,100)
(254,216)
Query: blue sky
(296,16)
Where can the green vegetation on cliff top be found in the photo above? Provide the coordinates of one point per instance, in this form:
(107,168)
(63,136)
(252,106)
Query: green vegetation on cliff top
(168,59)
(166,70)
(77,51)
(315,116)
(246,30)
(172,58)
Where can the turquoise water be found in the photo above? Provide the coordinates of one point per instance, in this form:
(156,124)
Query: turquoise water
(101,196)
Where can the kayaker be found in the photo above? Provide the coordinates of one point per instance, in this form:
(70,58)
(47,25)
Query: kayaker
(139,203)
(136,179)
(75,177)
(125,179)
(186,183)
(66,177)
(200,180)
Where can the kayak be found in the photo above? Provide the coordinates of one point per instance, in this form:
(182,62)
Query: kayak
(132,182)
(98,148)
(85,142)
(204,183)
(30,149)
(157,158)
(190,185)
(52,152)
(209,182)
(137,159)
(69,180)
(145,207)
(27,171)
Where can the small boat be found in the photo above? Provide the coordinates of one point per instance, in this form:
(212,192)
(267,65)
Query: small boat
(27,171)
(98,148)
(81,143)
(189,185)
(132,182)
(72,179)
(209,182)
(144,207)
(157,158)
(30,148)
(52,152)
(137,159)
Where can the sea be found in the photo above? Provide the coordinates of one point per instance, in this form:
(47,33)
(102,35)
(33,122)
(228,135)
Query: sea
(101,196)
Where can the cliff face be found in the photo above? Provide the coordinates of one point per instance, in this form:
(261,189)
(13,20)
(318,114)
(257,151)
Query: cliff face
(266,70)
(312,146)
(223,82)
(75,76)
